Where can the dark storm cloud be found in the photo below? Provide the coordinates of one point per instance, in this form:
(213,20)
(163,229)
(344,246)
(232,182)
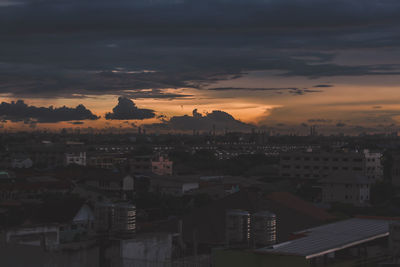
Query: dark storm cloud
(252,89)
(323,85)
(194,14)
(219,119)
(127,110)
(20,111)
(340,124)
(63,48)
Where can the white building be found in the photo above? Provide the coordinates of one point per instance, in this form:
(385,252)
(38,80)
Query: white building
(346,188)
(373,165)
(77,158)
(21,163)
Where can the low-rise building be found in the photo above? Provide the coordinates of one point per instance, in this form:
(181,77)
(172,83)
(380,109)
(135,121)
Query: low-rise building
(75,157)
(54,223)
(21,162)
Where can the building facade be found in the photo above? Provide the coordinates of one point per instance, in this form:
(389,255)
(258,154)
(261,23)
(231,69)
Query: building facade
(346,188)
(317,165)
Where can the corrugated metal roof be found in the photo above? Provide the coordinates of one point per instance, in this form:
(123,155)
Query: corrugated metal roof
(332,237)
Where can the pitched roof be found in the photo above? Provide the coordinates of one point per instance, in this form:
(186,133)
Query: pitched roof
(328,238)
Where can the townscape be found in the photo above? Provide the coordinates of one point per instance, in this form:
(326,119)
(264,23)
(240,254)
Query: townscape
(207,199)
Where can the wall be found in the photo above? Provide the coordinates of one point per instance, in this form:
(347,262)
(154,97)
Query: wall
(151,247)
(231,258)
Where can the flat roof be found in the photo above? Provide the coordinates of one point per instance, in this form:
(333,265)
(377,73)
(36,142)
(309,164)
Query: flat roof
(331,237)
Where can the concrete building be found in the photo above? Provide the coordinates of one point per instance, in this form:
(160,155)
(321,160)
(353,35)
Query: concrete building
(140,164)
(107,160)
(152,249)
(316,165)
(112,183)
(75,157)
(395,169)
(116,218)
(346,188)
(21,162)
(373,165)
(54,224)
(161,165)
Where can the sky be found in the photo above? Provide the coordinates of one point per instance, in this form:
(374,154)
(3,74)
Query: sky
(184,65)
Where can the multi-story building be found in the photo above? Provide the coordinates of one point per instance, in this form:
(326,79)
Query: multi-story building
(319,164)
(395,169)
(107,160)
(346,188)
(161,165)
(75,157)
(373,165)
(157,164)
(113,184)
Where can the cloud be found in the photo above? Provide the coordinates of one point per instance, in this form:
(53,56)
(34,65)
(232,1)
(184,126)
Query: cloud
(323,85)
(20,111)
(198,122)
(127,110)
(77,122)
(340,124)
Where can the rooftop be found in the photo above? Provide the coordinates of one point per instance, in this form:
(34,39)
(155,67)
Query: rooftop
(331,237)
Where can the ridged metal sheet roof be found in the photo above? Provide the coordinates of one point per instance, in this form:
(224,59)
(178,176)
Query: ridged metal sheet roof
(331,237)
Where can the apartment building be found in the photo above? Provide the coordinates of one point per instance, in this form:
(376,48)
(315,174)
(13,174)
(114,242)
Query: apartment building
(320,164)
(346,188)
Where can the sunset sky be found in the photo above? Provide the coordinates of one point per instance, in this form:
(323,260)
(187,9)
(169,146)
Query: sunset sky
(279,65)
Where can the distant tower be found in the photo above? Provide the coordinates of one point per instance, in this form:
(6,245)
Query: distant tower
(313,130)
